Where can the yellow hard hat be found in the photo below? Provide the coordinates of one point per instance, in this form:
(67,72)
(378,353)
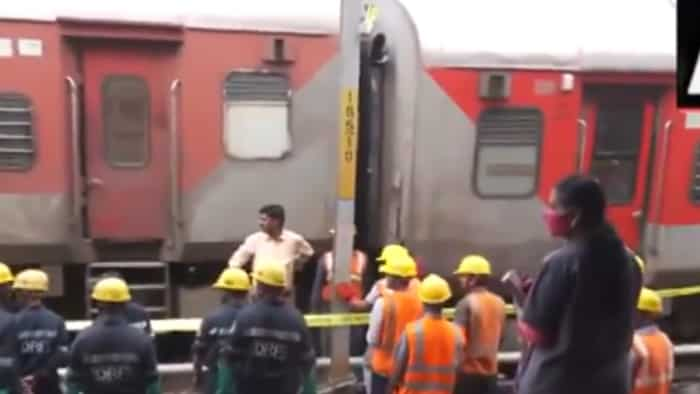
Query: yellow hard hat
(474,265)
(392,250)
(233,279)
(640,262)
(402,266)
(111,290)
(5,274)
(649,301)
(434,290)
(271,273)
(31,279)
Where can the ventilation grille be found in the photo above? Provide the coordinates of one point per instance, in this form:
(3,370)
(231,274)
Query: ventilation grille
(247,86)
(510,126)
(695,191)
(16,140)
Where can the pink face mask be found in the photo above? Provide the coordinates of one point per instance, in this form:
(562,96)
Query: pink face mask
(558,224)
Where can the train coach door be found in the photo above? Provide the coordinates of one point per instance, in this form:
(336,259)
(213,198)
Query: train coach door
(126,141)
(620,123)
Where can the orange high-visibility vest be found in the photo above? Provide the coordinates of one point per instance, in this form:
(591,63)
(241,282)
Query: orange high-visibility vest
(357,269)
(654,353)
(434,350)
(487,314)
(399,309)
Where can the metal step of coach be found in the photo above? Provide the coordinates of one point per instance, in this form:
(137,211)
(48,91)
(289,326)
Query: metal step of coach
(148,282)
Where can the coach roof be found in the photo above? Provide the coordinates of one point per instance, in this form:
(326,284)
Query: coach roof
(589,35)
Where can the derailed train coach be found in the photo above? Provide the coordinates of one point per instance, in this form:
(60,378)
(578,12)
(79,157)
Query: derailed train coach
(145,137)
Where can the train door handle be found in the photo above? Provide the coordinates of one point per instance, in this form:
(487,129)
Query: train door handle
(637,214)
(95,182)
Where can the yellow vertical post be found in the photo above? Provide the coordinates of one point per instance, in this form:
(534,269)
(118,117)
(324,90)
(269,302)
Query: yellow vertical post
(356,18)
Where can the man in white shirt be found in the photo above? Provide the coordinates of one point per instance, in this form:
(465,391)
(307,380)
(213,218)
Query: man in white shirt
(273,242)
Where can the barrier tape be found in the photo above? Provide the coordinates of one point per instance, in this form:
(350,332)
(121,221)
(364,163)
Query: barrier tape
(332,319)
(679,292)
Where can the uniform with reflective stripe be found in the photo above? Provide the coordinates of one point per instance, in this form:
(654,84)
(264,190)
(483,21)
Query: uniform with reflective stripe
(357,270)
(43,346)
(400,308)
(435,349)
(653,353)
(269,349)
(9,377)
(486,316)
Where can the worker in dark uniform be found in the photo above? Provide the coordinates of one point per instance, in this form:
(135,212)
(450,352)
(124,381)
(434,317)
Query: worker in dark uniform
(270,347)
(6,302)
(111,357)
(9,377)
(42,335)
(234,284)
(136,314)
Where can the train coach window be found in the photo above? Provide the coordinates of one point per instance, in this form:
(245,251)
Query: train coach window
(616,149)
(16,132)
(695,182)
(256,116)
(125,116)
(507,152)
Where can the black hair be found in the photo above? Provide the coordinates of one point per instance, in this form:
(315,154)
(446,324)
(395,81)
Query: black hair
(584,194)
(111,308)
(273,211)
(435,309)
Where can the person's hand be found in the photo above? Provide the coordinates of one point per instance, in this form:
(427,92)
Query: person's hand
(197,378)
(346,291)
(28,383)
(527,284)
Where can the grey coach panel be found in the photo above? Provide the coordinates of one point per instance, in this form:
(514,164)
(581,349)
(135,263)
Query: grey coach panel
(224,207)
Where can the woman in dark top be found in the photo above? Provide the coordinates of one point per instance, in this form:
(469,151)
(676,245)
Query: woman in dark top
(578,317)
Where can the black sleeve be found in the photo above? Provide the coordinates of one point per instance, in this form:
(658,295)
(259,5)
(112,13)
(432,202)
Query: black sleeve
(61,354)
(202,341)
(12,351)
(307,355)
(548,297)
(150,363)
(237,342)
(76,369)
(319,281)
(147,319)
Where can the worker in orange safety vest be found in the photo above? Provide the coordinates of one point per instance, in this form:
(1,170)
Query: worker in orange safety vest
(324,288)
(389,316)
(481,314)
(380,286)
(322,292)
(652,351)
(430,350)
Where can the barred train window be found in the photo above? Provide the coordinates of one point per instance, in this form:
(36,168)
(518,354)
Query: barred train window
(125,117)
(618,131)
(256,115)
(507,152)
(695,183)
(16,132)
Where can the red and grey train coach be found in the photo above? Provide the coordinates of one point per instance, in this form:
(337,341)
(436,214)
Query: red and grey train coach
(145,137)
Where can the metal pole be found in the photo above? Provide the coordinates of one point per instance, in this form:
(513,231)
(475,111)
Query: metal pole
(351,16)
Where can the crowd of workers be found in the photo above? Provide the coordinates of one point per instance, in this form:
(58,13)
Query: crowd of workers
(585,322)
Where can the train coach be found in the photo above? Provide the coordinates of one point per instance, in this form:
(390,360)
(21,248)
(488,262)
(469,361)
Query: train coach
(144,137)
